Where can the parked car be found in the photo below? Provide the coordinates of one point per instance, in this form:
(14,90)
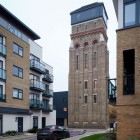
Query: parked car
(53,132)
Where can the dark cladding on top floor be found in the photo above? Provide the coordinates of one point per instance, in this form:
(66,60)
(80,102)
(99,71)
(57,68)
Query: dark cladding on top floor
(9,17)
(89,12)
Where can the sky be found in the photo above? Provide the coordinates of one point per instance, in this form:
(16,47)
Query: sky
(51,20)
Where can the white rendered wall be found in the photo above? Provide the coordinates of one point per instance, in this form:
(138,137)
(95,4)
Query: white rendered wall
(51,118)
(10,120)
(35,49)
(120,14)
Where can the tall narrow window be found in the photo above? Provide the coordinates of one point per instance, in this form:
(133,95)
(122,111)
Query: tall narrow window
(85,99)
(86,84)
(77,28)
(86,61)
(94,59)
(86,27)
(94,98)
(77,62)
(94,84)
(130,14)
(129,71)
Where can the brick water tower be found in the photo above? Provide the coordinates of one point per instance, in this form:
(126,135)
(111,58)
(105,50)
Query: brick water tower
(88,68)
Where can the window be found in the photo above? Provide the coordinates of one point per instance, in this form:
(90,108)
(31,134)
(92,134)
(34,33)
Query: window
(85,98)
(1,39)
(94,98)
(17,49)
(1,64)
(86,84)
(1,89)
(129,71)
(77,28)
(77,62)
(94,59)
(35,122)
(17,71)
(33,57)
(86,61)
(130,14)
(34,77)
(34,96)
(85,26)
(94,84)
(17,93)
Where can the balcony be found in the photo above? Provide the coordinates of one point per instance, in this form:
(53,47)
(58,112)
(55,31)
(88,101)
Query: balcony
(2,50)
(2,98)
(129,85)
(37,66)
(48,93)
(48,78)
(112,91)
(47,108)
(36,104)
(2,75)
(37,85)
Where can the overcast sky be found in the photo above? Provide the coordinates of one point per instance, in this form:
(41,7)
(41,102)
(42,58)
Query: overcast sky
(50,19)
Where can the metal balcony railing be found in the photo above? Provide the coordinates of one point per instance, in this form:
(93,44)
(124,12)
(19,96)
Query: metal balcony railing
(37,85)
(48,93)
(2,97)
(48,78)
(37,66)
(2,74)
(3,49)
(36,104)
(129,84)
(48,108)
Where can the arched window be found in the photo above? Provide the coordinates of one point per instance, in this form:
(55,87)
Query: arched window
(85,44)
(94,42)
(77,46)
(94,59)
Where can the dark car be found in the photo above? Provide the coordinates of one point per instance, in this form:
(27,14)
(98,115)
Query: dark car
(53,132)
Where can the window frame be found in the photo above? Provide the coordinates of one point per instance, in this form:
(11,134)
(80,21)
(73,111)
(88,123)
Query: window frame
(95,99)
(86,85)
(19,92)
(137,12)
(18,49)
(85,99)
(19,71)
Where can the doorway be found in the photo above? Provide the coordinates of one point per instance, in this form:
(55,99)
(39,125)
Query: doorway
(1,125)
(43,122)
(20,124)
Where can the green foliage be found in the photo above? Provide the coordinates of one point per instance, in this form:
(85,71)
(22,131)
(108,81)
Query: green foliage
(105,136)
(33,130)
(11,132)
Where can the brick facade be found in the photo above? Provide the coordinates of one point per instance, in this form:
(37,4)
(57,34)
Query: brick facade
(128,106)
(11,80)
(90,114)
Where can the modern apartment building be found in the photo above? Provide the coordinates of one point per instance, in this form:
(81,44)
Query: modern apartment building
(26,82)
(88,68)
(128,69)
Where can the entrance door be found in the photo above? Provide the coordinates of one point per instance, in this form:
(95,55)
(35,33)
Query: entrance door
(1,125)
(43,122)
(20,124)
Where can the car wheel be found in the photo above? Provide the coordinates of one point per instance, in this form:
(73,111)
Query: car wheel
(67,135)
(55,137)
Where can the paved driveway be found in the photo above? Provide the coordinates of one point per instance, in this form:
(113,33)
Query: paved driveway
(76,134)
